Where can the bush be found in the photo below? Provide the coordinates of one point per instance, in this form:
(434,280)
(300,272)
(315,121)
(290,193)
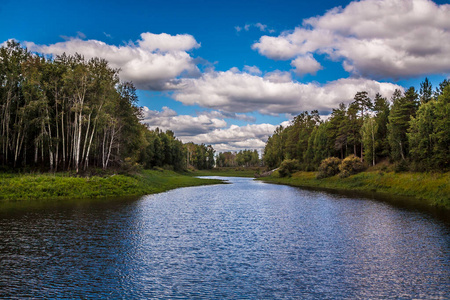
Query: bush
(130,166)
(276,174)
(287,167)
(350,165)
(402,166)
(329,167)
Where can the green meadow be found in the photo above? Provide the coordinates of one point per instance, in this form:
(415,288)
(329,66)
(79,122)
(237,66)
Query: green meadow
(14,187)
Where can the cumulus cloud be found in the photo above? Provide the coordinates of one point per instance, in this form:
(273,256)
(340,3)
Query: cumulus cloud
(242,92)
(210,128)
(227,115)
(167,43)
(252,70)
(154,62)
(377,38)
(306,64)
(235,138)
(278,76)
(181,125)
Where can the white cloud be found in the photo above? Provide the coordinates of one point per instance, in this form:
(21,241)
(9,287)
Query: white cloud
(210,128)
(306,64)
(235,138)
(227,115)
(167,43)
(252,70)
(152,63)
(278,77)
(260,26)
(181,125)
(377,38)
(242,92)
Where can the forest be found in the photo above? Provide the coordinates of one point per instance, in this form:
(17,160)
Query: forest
(411,131)
(70,114)
(243,158)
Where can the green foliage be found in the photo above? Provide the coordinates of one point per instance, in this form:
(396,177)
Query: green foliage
(228,172)
(200,156)
(70,113)
(381,110)
(288,166)
(247,158)
(273,152)
(162,149)
(350,165)
(329,167)
(429,134)
(337,134)
(426,91)
(293,141)
(401,166)
(130,166)
(407,131)
(403,108)
(369,131)
(243,158)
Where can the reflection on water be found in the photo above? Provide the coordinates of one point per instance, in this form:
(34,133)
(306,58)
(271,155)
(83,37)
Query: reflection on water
(244,240)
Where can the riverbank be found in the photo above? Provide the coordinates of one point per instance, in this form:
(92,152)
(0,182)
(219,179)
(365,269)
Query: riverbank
(15,187)
(228,172)
(428,188)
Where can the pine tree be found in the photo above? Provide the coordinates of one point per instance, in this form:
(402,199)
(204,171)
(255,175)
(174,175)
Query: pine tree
(381,109)
(403,108)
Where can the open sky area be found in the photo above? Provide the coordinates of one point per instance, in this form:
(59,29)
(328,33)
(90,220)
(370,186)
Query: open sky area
(227,73)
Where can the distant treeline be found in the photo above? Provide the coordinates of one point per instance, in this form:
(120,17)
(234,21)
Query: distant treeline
(243,158)
(69,113)
(412,130)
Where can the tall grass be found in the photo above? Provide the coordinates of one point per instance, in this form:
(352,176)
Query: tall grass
(48,186)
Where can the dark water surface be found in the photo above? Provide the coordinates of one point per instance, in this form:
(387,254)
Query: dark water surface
(247,239)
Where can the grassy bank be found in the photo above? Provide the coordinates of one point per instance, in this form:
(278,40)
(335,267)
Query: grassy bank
(62,186)
(428,188)
(228,172)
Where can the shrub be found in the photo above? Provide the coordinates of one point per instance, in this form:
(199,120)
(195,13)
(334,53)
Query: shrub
(276,174)
(329,167)
(130,166)
(401,166)
(287,167)
(350,165)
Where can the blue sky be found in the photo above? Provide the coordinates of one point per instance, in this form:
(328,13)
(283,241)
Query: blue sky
(227,73)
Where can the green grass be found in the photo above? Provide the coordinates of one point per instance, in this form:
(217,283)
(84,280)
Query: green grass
(61,185)
(227,172)
(428,188)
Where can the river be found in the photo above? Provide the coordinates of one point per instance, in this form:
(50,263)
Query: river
(246,239)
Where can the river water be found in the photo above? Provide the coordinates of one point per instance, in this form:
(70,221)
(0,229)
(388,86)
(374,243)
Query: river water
(246,239)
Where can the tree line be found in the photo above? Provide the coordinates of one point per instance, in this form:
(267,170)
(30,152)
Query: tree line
(411,130)
(243,158)
(69,113)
